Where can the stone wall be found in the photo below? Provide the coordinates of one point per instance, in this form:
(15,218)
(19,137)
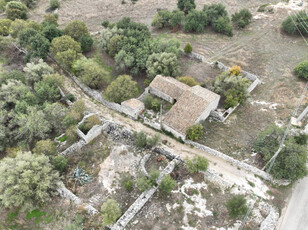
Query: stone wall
(142,199)
(231,160)
(73,148)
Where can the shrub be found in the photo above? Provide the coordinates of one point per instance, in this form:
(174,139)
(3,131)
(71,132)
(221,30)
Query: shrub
(198,163)
(291,162)
(291,23)
(105,23)
(188,81)
(39,46)
(51,31)
(60,163)
(237,206)
(110,212)
(186,5)
(16,10)
(143,183)
(301,70)
(91,73)
(86,43)
(235,70)
(194,132)
(233,87)
(54,4)
(167,184)
(50,19)
(222,25)
(215,11)
(176,18)
(2,5)
(89,123)
(140,139)
(26,181)
(71,134)
(46,147)
(127,181)
(122,89)
(188,48)
(161,19)
(5,26)
(262,7)
(153,176)
(54,114)
(16,26)
(165,64)
(25,36)
(195,21)
(301,139)
(76,29)
(153,141)
(242,18)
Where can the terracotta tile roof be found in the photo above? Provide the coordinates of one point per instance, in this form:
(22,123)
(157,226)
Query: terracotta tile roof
(169,86)
(189,108)
(132,103)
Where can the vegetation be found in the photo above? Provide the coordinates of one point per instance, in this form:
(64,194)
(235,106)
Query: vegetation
(152,103)
(237,206)
(198,163)
(26,180)
(188,48)
(122,89)
(242,18)
(16,10)
(60,163)
(89,123)
(143,183)
(110,212)
(5,26)
(143,141)
(190,81)
(301,70)
(46,147)
(186,5)
(194,132)
(295,24)
(196,21)
(167,184)
(91,73)
(165,64)
(291,162)
(127,181)
(65,50)
(54,4)
(232,88)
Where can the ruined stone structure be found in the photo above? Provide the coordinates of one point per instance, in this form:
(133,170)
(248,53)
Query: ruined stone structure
(133,107)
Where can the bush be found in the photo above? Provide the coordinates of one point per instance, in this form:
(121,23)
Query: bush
(91,73)
(71,134)
(151,102)
(222,25)
(165,64)
(153,141)
(86,43)
(194,132)
(60,163)
(50,19)
(190,81)
(105,23)
(39,46)
(291,162)
(5,26)
(25,36)
(110,212)
(89,123)
(127,182)
(51,31)
(235,70)
(186,5)
(153,176)
(122,89)
(143,183)
(195,21)
(140,139)
(242,18)
(291,23)
(2,5)
(301,139)
(237,206)
(197,164)
(188,48)
(76,29)
(33,179)
(167,184)
(16,10)
(161,19)
(46,147)
(215,11)
(176,18)
(54,4)
(232,88)
(301,70)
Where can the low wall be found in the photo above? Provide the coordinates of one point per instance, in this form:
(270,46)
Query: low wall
(233,161)
(74,147)
(142,199)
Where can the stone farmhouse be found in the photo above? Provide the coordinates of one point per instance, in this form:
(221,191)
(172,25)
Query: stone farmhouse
(191,104)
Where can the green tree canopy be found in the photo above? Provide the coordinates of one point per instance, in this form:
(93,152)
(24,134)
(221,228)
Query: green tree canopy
(301,70)
(110,212)
(198,163)
(186,5)
(16,10)
(122,89)
(196,21)
(242,18)
(26,181)
(237,206)
(294,21)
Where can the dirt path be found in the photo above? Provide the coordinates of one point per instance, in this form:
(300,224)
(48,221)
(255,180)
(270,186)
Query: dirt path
(230,173)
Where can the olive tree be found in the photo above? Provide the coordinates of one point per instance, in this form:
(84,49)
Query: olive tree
(122,89)
(301,70)
(242,18)
(198,163)
(195,21)
(164,63)
(35,71)
(26,181)
(186,5)
(16,10)
(5,26)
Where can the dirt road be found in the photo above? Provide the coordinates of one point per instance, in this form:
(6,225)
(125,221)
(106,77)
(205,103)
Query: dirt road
(296,216)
